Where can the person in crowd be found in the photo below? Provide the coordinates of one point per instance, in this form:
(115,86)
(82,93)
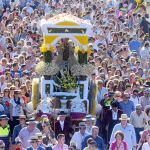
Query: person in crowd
(102,91)
(78,137)
(18,144)
(119,142)
(91,145)
(5,131)
(48,133)
(128,131)
(17,128)
(138,119)
(63,126)
(17,108)
(61,143)
(3,85)
(34,144)
(147,111)
(39,124)
(146,145)
(105,103)
(135,97)
(127,105)
(27,132)
(6,101)
(112,118)
(144,100)
(89,120)
(99,141)
(144,135)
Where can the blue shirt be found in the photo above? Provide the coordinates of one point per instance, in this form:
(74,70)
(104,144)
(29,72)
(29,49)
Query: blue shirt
(99,141)
(135,45)
(101,93)
(16,131)
(129,134)
(31,148)
(127,108)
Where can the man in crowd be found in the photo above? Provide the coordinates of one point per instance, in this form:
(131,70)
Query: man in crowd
(145,99)
(17,128)
(79,136)
(99,141)
(112,118)
(138,119)
(101,91)
(63,126)
(34,144)
(27,132)
(4,131)
(127,129)
(89,120)
(127,105)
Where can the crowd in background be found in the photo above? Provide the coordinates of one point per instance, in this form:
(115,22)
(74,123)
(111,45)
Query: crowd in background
(121,55)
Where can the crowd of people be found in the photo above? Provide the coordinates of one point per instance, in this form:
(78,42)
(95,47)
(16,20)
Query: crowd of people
(121,55)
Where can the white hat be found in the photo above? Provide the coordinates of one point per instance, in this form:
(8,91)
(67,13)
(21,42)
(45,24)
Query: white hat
(89,118)
(124,117)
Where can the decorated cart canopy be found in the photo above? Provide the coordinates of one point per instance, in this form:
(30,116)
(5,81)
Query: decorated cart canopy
(65,26)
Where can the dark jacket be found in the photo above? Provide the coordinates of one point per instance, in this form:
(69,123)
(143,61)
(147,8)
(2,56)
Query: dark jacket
(67,130)
(109,119)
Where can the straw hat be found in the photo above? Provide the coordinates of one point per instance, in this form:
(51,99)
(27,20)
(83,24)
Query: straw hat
(33,138)
(82,124)
(31,121)
(124,117)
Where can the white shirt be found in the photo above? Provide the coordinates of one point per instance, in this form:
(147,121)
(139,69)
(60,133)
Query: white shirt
(88,130)
(61,125)
(146,146)
(114,115)
(135,100)
(78,138)
(2,87)
(144,53)
(17,108)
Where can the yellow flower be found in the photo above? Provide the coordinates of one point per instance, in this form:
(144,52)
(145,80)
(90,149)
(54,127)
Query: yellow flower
(76,49)
(89,51)
(43,48)
(52,49)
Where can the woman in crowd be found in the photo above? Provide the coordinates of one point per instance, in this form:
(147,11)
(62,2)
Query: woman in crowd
(6,101)
(48,133)
(17,108)
(146,145)
(119,143)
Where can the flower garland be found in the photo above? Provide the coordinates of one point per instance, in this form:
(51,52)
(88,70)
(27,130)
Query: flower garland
(43,68)
(82,69)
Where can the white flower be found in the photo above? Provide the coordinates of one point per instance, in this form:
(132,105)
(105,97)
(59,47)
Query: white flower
(43,68)
(82,69)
